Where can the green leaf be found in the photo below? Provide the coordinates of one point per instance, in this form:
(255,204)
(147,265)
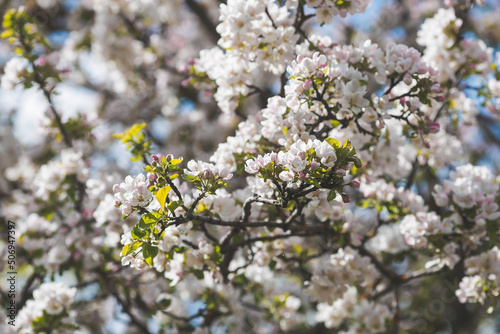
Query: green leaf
(137,233)
(173,205)
(331,195)
(188,178)
(198,274)
(356,161)
(149,220)
(149,252)
(130,248)
(162,194)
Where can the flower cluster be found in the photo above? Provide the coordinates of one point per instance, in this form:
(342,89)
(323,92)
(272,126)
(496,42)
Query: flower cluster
(12,71)
(335,273)
(49,310)
(256,35)
(328,8)
(319,163)
(132,193)
(71,168)
(364,315)
(483,279)
(472,191)
(445,52)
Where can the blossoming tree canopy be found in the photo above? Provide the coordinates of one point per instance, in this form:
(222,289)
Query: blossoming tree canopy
(250,166)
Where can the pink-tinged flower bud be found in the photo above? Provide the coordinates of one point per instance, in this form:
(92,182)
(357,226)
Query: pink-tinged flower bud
(434,128)
(307,84)
(155,163)
(354,184)
(186,82)
(191,62)
(314,165)
(155,157)
(41,61)
(407,79)
(117,203)
(183,68)
(207,173)
(169,157)
(116,188)
(436,88)
(320,74)
(439,98)
(302,176)
(341,172)
(346,198)
(402,101)
(427,144)
(420,113)
(151,177)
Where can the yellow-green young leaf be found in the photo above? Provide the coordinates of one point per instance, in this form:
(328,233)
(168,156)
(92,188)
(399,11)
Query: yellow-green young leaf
(136,128)
(162,194)
(332,141)
(7,33)
(176,161)
(130,132)
(149,252)
(130,248)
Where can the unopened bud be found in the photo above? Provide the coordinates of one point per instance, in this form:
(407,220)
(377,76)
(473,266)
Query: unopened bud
(346,198)
(436,88)
(155,158)
(407,79)
(427,144)
(354,184)
(341,172)
(307,84)
(314,165)
(169,157)
(434,128)
(440,98)
(207,173)
(151,177)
